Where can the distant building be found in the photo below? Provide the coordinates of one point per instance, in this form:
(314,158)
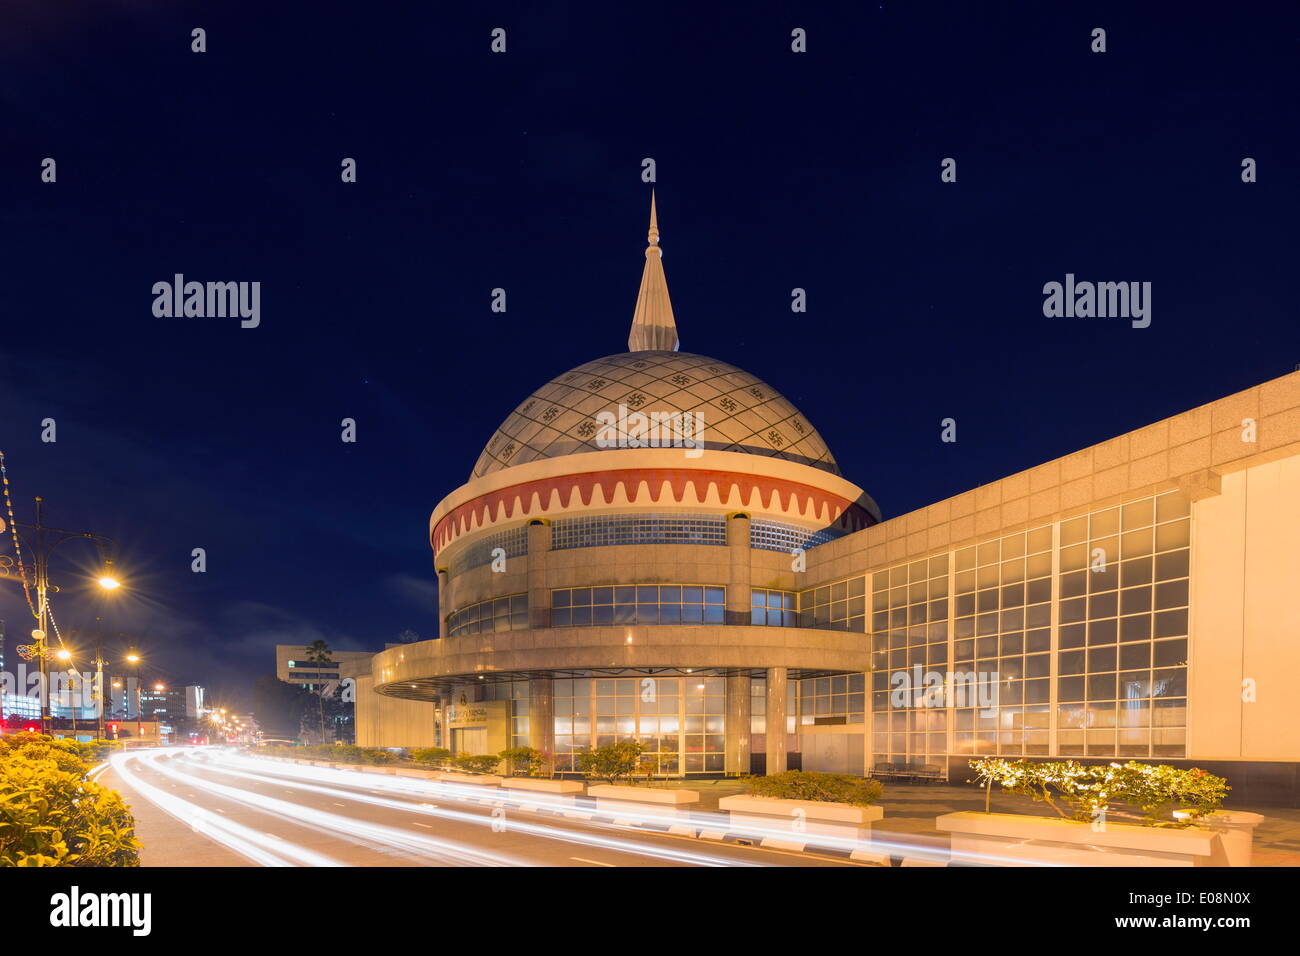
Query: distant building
(292,666)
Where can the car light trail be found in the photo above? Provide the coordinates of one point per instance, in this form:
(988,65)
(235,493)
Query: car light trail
(349,827)
(241,839)
(515,825)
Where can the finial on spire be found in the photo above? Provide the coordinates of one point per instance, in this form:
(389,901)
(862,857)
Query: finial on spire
(653,325)
(653,237)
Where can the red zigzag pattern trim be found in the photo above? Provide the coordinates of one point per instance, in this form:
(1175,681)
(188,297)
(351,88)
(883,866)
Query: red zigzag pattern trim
(505,503)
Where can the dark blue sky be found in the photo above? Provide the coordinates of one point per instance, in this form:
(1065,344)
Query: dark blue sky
(522,171)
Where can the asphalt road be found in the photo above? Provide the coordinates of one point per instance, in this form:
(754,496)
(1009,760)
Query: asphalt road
(215,807)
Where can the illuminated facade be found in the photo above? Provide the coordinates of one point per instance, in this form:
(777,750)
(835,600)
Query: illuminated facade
(705,580)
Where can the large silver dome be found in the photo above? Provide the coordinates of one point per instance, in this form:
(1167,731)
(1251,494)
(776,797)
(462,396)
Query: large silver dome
(741,413)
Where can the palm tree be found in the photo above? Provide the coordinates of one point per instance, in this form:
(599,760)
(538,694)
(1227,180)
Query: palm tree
(318,653)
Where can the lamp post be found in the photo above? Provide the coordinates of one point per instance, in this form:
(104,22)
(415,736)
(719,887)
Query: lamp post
(63,655)
(134,659)
(46,540)
(99,690)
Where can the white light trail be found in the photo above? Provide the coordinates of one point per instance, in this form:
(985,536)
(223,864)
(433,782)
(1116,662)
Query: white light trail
(351,828)
(243,840)
(515,825)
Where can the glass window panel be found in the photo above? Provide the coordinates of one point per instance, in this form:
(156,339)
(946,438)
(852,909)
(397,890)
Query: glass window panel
(1172,506)
(1172,564)
(1176,534)
(1138,514)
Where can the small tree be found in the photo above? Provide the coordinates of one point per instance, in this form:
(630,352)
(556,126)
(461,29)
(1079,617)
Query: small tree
(524,761)
(612,762)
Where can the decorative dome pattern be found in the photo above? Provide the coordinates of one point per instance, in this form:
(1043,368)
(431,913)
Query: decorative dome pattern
(741,413)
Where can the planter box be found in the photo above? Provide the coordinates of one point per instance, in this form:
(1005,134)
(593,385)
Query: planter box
(473,779)
(638,804)
(541,785)
(1236,830)
(417,773)
(1013,839)
(793,824)
(371,768)
(559,795)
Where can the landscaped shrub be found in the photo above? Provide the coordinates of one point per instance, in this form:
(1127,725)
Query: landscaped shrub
(612,762)
(339,753)
(524,761)
(478,763)
(51,815)
(435,756)
(1088,791)
(822,787)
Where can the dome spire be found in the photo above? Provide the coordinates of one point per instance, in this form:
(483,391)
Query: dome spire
(653,325)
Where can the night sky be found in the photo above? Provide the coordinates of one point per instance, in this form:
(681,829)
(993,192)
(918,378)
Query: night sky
(522,170)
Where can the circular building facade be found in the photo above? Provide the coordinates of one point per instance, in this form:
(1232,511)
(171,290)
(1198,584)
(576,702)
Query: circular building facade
(624,561)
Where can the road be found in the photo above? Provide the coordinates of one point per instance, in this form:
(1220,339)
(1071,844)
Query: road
(203,806)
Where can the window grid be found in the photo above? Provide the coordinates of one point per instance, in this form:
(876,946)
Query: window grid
(910,612)
(1122,681)
(638,604)
(832,700)
(773,608)
(1002,634)
(514,541)
(835,607)
(594,531)
(500,614)
(767,535)
(679,720)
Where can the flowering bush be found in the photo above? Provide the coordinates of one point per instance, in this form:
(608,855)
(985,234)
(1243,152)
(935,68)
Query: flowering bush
(1088,791)
(51,815)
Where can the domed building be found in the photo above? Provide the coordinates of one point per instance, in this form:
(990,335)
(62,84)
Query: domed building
(623,562)
(659,546)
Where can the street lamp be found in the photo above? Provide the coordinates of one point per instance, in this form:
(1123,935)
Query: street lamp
(133,659)
(41,552)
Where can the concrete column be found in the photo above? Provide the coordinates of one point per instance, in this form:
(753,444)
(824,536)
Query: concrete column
(443,578)
(777,681)
(738,722)
(539,595)
(541,719)
(738,585)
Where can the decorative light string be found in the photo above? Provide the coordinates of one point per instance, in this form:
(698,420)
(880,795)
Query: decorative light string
(18,548)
